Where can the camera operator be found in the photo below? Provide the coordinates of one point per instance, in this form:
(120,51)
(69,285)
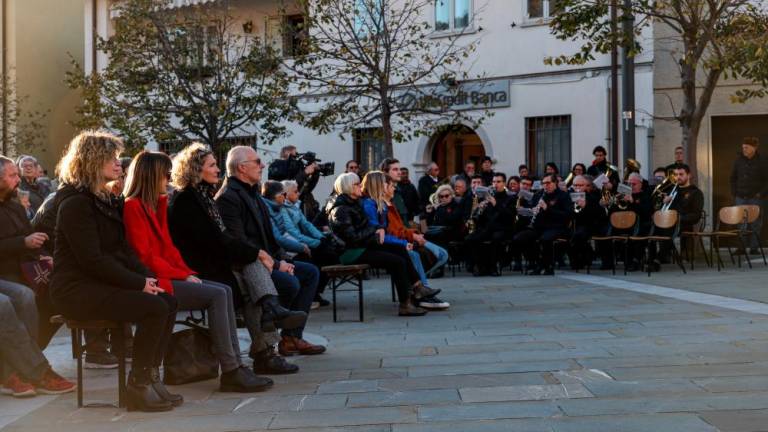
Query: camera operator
(305,170)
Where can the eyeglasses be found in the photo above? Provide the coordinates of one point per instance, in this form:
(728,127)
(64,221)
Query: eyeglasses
(258,161)
(546,182)
(444,196)
(356,184)
(353,167)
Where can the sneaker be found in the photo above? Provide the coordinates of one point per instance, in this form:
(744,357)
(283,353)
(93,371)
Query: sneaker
(314,305)
(434,303)
(17,387)
(101,360)
(52,383)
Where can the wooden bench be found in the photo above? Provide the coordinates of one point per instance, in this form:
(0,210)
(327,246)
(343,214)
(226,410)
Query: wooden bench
(78,348)
(339,275)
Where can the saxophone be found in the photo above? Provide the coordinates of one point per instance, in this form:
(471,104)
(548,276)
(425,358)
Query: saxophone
(470,224)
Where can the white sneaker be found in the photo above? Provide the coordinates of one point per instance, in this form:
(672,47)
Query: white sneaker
(434,303)
(315,305)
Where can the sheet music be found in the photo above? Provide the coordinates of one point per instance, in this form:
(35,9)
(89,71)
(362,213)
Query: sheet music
(624,189)
(526,195)
(600,181)
(525,212)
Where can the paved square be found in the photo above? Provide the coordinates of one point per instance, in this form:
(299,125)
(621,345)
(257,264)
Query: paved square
(573,352)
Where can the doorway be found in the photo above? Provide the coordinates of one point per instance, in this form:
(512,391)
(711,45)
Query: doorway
(453,145)
(727,135)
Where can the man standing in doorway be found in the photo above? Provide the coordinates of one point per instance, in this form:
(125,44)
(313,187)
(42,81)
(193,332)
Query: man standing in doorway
(749,184)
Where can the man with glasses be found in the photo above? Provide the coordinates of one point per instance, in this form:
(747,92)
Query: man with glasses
(553,213)
(352,166)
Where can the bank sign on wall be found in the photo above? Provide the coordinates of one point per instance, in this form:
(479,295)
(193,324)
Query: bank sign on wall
(466,96)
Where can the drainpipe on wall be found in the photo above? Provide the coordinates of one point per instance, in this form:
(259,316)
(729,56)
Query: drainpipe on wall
(94,33)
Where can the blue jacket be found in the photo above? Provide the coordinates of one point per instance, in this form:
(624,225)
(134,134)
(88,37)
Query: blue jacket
(297,225)
(277,217)
(380,219)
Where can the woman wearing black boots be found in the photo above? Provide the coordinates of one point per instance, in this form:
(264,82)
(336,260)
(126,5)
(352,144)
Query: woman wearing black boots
(98,277)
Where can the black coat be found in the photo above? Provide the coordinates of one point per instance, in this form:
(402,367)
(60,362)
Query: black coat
(749,177)
(14,227)
(558,213)
(93,259)
(246,216)
(204,247)
(427,186)
(593,216)
(348,220)
(689,202)
(450,216)
(410,198)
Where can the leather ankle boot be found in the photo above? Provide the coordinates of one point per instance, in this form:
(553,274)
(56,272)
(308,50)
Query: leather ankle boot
(141,395)
(157,384)
(420,291)
(409,308)
(275,316)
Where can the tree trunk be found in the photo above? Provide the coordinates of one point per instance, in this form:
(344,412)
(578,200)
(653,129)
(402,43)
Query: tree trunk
(689,124)
(386,129)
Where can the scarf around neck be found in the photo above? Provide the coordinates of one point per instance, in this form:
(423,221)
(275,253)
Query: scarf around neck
(206,191)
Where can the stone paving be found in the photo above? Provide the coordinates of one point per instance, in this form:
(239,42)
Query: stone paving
(515,353)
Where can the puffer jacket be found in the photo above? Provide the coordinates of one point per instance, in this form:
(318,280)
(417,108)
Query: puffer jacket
(285,240)
(298,227)
(347,220)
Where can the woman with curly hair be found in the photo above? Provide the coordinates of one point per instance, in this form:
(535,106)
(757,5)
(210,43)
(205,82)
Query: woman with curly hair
(198,231)
(97,276)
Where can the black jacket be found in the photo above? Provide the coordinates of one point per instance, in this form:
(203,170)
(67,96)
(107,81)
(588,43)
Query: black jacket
(45,220)
(347,220)
(450,216)
(14,227)
(689,202)
(410,198)
(246,216)
(602,168)
(487,177)
(427,186)
(93,259)
(593,216)
(558,213)
(749,177)
(204,247)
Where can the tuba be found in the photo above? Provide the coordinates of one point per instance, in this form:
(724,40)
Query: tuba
(657,196)
(630,166)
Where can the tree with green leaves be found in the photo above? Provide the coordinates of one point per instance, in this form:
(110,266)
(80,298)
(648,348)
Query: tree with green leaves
(21,127)
(709,40)
(176,75)
(377,63)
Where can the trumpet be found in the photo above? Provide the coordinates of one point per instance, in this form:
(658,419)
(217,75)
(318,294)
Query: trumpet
(658,192)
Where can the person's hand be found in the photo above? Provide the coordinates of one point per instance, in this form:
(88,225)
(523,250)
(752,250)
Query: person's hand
(35,240)
(286,267)
(667,199)
(194,279)
(581,202)
(419,239)
(409,246)
(381,233)
(491,200)
(310,169)
(625,198)
(307,251)
(150,287)
(608,186)
(267,260)
(543,205)
(24,201)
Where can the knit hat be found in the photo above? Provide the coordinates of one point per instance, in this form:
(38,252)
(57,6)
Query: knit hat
(751,141)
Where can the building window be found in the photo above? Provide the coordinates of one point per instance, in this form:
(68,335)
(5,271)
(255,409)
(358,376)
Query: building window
(294,35)
(548,139)
(537,9)
(452,15)
(369,148)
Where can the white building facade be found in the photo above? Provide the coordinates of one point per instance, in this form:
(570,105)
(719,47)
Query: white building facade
(545,113)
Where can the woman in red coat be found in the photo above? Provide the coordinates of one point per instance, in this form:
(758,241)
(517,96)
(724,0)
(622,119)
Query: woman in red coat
(146,225)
